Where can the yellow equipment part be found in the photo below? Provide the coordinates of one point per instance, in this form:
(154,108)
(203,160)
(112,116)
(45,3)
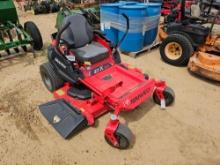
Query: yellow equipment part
(206,65)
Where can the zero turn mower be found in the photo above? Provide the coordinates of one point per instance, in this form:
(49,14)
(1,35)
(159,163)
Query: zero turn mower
(88,79)
(13,35)
(188,41)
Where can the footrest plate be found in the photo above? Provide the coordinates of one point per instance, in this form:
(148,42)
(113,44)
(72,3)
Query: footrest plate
(65,118)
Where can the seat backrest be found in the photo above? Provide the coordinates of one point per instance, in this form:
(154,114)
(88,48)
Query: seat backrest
(195,10)
(79,33)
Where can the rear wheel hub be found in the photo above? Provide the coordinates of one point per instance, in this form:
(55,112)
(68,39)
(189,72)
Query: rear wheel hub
(173,50)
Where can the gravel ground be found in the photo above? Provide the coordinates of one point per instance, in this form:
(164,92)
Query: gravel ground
(187,133)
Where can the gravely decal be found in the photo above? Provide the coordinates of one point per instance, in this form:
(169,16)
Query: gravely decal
(136,98)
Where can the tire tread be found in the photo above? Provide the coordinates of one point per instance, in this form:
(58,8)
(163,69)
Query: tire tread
(56,81)
(32,28)
(186,47)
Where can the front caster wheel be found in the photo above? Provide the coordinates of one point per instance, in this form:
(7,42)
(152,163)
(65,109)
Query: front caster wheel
(123,135)
(169,96)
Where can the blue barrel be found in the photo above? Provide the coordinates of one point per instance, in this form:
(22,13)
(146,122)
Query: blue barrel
(134,41)
(129,2)
(152,9)
(112,8)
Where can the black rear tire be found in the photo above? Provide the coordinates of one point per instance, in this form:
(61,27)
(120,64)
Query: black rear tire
(168,94)
(183,45)
(51,80)
(37,9)
(45,6)
(54,7)
(32,29)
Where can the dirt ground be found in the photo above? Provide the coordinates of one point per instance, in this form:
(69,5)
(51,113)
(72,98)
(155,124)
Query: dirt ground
(187,133)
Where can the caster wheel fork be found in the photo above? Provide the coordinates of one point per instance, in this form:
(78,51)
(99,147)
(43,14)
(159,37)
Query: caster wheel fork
(163,95)
(118,135)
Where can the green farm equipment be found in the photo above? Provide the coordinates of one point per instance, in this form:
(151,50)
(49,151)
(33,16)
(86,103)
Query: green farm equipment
(14,36)
(91,14)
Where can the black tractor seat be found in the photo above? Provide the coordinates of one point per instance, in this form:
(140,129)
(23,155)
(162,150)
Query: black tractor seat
(79,36)
(93,53)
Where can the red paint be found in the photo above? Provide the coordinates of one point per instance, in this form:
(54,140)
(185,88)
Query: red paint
(114,89)
(169,5)
(110,131)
